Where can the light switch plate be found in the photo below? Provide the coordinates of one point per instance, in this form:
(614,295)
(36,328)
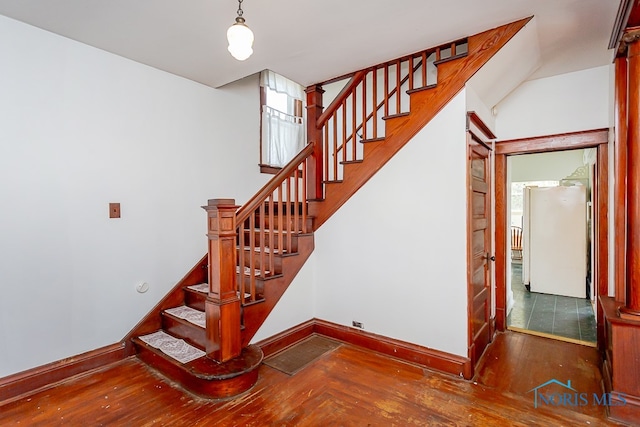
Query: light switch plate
(114,210)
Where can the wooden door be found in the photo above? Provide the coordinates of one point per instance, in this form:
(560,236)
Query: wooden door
(479,259)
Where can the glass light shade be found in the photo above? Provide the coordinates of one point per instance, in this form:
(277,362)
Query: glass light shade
(240,39)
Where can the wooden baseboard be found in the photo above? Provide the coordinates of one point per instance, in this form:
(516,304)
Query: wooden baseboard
(626,411)
(424,356)
(16,385)
(620,341)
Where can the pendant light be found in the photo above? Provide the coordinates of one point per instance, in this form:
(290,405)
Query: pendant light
(240,37)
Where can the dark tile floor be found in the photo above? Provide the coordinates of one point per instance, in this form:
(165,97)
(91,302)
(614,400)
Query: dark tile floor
(551,314)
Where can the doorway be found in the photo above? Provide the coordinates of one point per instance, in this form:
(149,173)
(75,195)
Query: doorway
(597,139)
(549,290)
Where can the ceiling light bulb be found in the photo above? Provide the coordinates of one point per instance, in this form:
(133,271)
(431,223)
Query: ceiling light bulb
(240,39)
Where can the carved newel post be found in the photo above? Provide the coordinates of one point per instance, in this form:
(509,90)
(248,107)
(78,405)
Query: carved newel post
(223,304)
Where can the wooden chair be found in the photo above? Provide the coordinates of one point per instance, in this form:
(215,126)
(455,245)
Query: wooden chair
(516,243)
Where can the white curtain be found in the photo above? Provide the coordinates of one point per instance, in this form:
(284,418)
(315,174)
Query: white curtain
(283,134)
(281,84)
(282,137)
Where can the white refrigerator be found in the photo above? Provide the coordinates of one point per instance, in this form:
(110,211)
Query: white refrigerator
(555,240)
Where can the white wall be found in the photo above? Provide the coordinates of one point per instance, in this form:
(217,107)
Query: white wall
(296,306)
(565,103)
(477,104)
(80,128)
(544,166)
(394,256)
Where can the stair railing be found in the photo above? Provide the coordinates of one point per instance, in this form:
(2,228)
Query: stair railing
(262,234)
(242,245)
(372,96)
(243,242)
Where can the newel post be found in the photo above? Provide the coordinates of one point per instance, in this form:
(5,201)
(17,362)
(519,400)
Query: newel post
(314,136)
(222,307)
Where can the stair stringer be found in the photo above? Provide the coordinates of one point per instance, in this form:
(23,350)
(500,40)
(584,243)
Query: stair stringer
(175,297)
(424,106)
(256,314)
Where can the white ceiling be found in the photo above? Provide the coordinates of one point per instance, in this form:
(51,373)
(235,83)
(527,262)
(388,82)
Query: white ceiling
(313,41)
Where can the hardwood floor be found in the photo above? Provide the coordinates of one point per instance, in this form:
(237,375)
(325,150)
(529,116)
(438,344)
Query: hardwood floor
(349,386)
(518,362)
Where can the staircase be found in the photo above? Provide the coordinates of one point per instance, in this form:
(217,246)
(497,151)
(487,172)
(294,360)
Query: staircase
(255,251)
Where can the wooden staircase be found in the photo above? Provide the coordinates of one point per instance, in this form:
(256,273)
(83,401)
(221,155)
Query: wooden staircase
(255,251)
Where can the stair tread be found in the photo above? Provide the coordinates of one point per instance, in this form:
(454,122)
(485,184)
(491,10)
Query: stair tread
(364,141)
(267,250)
(208,369)
(200,287)
(451,58)
(175,348)
(393,116)
(256,271)
(276,254)
(420,89)
(285,232)
(191,315)
(203,288)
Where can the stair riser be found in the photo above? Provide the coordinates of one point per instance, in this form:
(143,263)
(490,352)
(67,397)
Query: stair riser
(191,333)
(257,260)
(272,241)
(287,223)
(259,284)
(194,299)
(210,388)
(290,207)
(198,300)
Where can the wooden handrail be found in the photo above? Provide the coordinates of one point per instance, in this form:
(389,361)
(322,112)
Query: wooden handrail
(381,104)
(344,94)
(358,76)
(255,202)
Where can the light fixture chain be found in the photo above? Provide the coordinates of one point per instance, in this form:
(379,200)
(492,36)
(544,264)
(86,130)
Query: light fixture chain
(240,7)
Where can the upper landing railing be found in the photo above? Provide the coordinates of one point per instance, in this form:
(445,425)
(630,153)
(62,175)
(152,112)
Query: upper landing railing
(372,95)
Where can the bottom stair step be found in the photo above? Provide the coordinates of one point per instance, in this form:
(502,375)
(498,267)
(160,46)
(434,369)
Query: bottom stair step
(200,375)
(173,347)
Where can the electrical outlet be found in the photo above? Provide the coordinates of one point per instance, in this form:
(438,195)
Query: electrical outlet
(357,324)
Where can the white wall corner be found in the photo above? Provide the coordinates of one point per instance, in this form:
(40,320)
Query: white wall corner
(392,257)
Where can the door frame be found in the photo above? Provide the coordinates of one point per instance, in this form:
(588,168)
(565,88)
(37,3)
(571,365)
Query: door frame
(597,138)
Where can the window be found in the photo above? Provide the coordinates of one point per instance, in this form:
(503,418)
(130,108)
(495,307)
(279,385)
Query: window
(282,123)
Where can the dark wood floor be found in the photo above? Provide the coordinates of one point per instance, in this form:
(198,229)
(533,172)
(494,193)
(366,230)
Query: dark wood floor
(347,387)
